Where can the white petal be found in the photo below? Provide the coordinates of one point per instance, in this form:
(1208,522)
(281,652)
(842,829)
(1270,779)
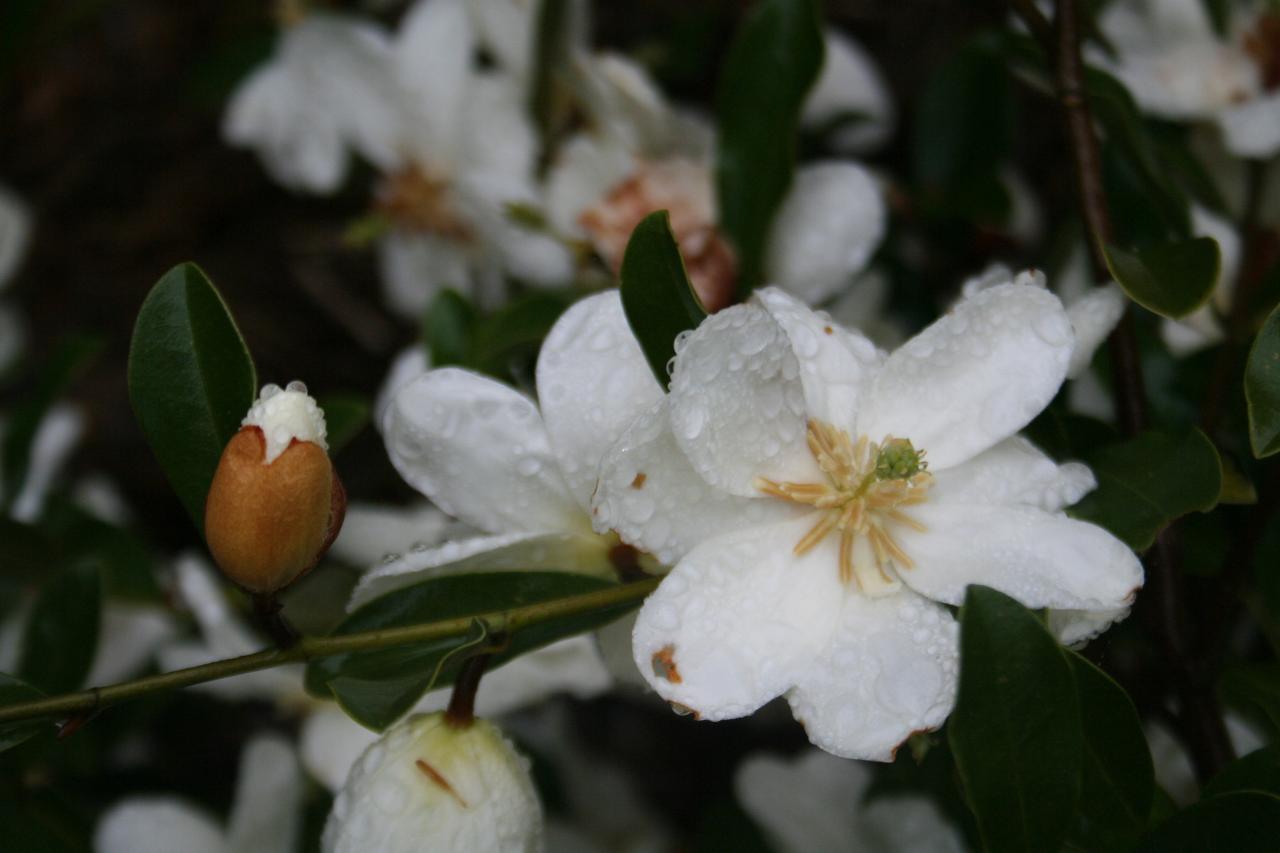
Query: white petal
(651,497)
(808,803)
(416,266)
(479,450)
(15,233)
(593,380)
(850,84)
(1093,316)
(747,380)
(1042,559)
(157,825)
(1026,216)
(411,363)
(889,670)
(497,141)
(266,812)
(1013,472)
(1205,223)
(828,225)
(371,532)
(586,168)
(614,644)
(624,102)
(581,553)
(1252,129)
(1075,628)
(1192,333)
(507,29)
(974,377)
(329,744)
(572,665)
(433,55)
(738,619)
(55,440)
(128,639)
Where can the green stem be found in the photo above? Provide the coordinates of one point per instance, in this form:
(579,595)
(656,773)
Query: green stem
(310,648)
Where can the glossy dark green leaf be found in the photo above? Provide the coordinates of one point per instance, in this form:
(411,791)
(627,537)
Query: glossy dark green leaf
(13,690)
(191,380)
(656,294)
(1257,771)
(1254,687)
(1262,388)
(1172,279)
(378,687)
(344,416)
(61,634)
(1118,781)
(1147,482)
(447,328)
(1015,731)
(67,362)
(518,327)
(1241,822)
(771,65)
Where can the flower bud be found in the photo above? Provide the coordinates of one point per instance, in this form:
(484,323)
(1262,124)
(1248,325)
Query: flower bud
(430,785)
(276,503)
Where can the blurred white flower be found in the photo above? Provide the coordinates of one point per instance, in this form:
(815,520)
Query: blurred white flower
(1177,67)
(786,472)
(265,815)
(815,801)
(642,155)
(1201,328)
(15,234)
(850,101)
(1174,771)
(430,785)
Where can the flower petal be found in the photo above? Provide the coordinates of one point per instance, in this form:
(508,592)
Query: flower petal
(976,376)
(479,451)
(828,225)
(738,619)
(593,380)
(1252,129)
(849,86)
(651,497)
(888,671)
(266,813)
(1075,628)
(157,825)
(585,554)
(414,267)
(1013,472)
(329,744)
(411,363)
(130,635)
(55,440)
(1042,559)
(1093,316)
(433,55)
(586,168)
(15,233)
(370,532)
(809,802)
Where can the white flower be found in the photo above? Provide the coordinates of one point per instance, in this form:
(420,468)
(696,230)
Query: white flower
(521,472)
(15,234)
(451,139)
(1178,67)
(786,472)
(816,802)
(428,785)
(1201,328)
(850,98)
(265,815)
(644,155)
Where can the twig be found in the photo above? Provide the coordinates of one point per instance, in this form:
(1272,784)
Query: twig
(462,702)
(311,648)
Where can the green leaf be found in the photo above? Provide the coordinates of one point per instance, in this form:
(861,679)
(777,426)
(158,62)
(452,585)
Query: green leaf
(1262,388)
(656,294)
(191,380)
(447,328)
(1147,482)
(344,416)
(772,63)
(1254,687)
(549,96)
(12,691)
(67,362)
(519,326)
(1016,730)
(1242,822)
(1257,771)
(1172,279)
(1119,780)
(61,635)
(377,687)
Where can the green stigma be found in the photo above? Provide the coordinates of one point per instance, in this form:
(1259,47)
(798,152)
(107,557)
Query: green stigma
(898,460)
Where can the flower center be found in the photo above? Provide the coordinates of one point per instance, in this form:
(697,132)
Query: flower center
(867,487)
(418,201)
(1263,44)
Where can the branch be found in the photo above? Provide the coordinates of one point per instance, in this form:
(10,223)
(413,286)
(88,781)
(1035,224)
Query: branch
(310,648)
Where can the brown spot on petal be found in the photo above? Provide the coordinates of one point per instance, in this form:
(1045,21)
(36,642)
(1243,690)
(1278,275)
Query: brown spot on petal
(435,776)
(638,482)
(664,664)
(828,330)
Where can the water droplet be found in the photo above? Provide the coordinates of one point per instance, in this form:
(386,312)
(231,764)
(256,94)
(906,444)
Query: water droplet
(529,466)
